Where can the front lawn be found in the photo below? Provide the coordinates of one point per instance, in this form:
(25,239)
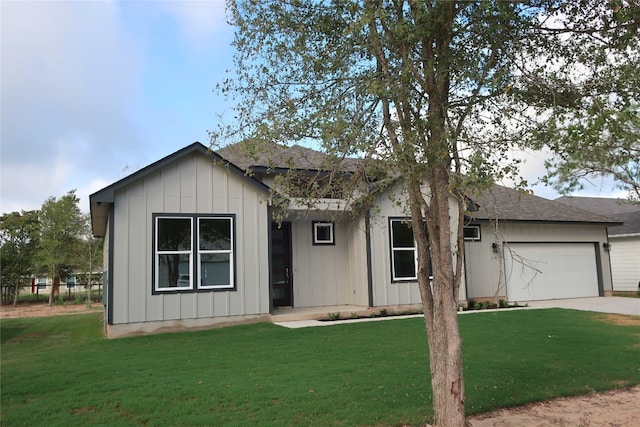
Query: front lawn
(61,371)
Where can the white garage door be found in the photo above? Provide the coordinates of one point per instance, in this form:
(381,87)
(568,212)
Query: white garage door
(539,271)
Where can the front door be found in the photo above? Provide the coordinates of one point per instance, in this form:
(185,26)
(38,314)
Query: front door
(281,284)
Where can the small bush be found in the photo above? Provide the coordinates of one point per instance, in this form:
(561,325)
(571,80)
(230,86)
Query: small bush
(334,316)
(384,312)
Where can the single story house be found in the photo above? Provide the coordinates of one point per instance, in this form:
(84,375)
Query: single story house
(191,242)
(624,240)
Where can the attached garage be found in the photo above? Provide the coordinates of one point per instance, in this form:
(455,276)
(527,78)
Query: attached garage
(540,271)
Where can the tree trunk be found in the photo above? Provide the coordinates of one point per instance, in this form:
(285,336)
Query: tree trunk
(445,356)
(55,287)
(439,299)
(15,296)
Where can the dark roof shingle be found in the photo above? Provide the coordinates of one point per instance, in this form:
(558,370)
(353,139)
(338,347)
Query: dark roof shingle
(619,209)
(283,157)
(508,204)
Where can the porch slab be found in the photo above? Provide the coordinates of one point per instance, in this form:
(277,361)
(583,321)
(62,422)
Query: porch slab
(288,314)
(346,312)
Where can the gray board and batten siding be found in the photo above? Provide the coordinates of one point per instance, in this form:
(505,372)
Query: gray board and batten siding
(187,182)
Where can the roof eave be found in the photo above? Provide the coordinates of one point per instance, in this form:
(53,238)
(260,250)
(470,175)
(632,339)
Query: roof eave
(542,221)
(100,199)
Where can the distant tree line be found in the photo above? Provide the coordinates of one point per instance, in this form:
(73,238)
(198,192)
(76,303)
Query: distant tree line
(55,241)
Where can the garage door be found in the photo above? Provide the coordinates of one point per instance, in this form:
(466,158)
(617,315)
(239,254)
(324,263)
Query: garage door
(539,271)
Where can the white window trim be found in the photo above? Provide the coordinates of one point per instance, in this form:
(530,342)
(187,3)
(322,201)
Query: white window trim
(414,278)
(414,249)
(195,254)
(316,225)
(473,239)
(183,252)
(231,284)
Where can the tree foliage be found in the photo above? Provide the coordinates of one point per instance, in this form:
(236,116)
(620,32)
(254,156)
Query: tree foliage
(593,125)
(89,255)
(18,240)
(437,95)
(60,230)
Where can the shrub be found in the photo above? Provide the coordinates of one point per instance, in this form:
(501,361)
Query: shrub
(334,316)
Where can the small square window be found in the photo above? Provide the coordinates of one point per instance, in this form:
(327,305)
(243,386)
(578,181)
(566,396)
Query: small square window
(323,233)
(472,232)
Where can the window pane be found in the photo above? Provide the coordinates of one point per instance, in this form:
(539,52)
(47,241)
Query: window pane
(402,235)
(404,264)
(323,232)
(173,271)
(472,233)
(174,234)
(215,234)
(215,270)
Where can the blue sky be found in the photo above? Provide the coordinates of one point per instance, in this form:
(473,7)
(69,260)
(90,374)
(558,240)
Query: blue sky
(94,90)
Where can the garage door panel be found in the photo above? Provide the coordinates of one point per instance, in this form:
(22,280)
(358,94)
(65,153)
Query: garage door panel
(538,271)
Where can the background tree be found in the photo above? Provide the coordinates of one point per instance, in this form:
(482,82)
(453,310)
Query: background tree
(440,93)
(89,255)
(609,145)
(594,128)
(18,240)
(60,229)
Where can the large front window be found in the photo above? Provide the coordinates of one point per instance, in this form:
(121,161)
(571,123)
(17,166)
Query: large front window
(193,252)
(404,252)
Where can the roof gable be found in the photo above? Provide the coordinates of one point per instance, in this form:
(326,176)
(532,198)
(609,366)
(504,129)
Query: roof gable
(101,199)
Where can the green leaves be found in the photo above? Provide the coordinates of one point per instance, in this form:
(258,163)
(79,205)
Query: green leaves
(18,239)
(60,228)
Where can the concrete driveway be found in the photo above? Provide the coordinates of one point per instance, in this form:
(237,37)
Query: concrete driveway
(617,305)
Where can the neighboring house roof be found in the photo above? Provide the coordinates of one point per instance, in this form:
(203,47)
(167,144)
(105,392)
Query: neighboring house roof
(100,200)
(507,204)
(619,209)
(282,157)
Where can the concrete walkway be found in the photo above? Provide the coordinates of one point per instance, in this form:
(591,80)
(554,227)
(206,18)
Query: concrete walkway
(616,305)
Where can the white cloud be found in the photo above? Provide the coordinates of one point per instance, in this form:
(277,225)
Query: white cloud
(69,71)
(199,21)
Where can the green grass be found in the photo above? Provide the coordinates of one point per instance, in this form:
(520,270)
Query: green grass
(61,371)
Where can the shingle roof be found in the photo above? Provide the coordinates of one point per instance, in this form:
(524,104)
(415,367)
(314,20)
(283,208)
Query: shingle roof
(496,203)
(508,204)
(619,209)
(280,156)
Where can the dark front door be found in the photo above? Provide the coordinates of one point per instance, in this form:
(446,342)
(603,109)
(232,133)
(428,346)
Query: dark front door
(281,286)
